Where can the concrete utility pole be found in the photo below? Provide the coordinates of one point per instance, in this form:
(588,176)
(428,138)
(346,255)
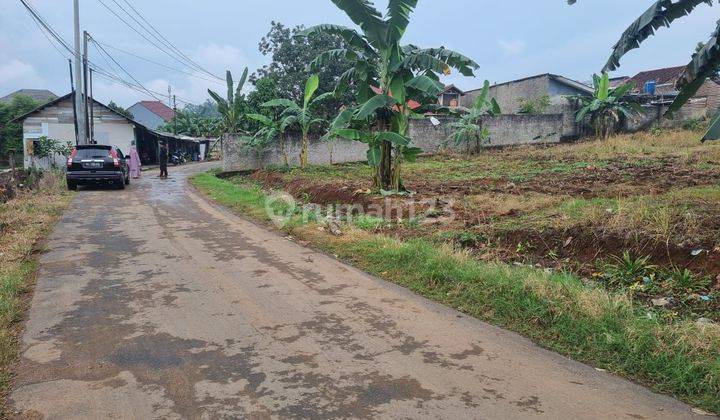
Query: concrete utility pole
(75,117)
(86,89)
(79,95)
(174,115)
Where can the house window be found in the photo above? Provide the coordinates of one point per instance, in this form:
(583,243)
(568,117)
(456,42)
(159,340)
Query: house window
(450,99)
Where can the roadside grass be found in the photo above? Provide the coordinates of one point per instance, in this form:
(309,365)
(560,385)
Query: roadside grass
(593,325)
(24,222)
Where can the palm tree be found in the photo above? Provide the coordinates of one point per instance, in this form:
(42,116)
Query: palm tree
(606,105)
(704,62)
(304,116)
(232,109)
(386,76)
(469,128)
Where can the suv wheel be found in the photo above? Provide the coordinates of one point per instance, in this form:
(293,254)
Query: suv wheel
(127,179)
(72,185)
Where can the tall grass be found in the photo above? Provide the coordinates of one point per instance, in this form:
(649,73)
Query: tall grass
(24,221)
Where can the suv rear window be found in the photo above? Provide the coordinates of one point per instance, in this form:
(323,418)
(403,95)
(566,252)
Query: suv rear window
(92,153)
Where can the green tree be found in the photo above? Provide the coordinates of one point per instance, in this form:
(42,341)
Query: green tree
(207,109)
(304,116)
(290,54)
(11,135)
(233,108)
(606,105)
(387,77)
(265,91)
(191,124)
(469,129)
(120,110)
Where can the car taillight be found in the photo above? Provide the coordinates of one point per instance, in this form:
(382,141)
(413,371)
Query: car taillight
(116,161)
(70,158)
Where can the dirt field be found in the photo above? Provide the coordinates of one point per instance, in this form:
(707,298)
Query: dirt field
(579,207)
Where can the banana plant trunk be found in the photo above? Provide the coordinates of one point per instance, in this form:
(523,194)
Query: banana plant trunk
(385,169)
(304,149)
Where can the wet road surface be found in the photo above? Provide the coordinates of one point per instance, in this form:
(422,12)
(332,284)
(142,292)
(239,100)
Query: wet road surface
(168,307)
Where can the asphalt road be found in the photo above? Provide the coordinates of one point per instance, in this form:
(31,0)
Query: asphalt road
(152,303)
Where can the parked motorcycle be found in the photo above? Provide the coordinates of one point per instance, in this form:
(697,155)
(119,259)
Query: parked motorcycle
(178,159)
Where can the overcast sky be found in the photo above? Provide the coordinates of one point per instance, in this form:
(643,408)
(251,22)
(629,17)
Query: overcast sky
(509,39)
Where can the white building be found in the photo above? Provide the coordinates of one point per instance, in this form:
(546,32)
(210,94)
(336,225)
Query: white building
(56,120)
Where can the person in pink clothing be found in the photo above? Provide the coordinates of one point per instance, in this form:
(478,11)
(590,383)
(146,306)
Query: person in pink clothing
(134,162)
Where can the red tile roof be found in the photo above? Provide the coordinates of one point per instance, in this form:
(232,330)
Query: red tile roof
(160,109)
(412,104)
(661,76)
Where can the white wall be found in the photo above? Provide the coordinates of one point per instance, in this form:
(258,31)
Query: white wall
(56,122)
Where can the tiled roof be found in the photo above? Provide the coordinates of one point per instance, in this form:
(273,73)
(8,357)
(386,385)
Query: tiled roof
(160,109)
(660,76)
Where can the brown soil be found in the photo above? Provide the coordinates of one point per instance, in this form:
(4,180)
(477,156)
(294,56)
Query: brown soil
(621,178)
(578,248)
(584,246)
(618,178)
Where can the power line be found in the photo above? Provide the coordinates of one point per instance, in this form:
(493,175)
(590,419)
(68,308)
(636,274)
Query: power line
(163,38)
(160,64)
(46,29)
(138,83)
(134,29)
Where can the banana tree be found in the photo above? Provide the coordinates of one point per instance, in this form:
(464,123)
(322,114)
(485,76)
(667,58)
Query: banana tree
(705,61)
(273,128)
(232,108)
(469,128)
(606,105)
(392,81)
(304,117)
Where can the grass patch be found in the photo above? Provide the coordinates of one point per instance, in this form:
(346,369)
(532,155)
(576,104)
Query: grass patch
(24,221)
(558,311)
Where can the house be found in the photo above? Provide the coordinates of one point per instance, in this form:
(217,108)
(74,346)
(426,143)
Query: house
(450,97)
(56,120)
(656,90)
(555,88)
(510,94)
(40,95)
(152,114)
(661,82)
(616,81)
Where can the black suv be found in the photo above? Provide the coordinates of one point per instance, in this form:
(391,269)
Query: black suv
(96,164)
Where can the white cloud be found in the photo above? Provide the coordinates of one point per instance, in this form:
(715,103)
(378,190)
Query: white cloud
(513,47)
(20,74)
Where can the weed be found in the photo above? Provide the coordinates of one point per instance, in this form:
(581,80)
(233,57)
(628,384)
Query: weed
(685,281)
(626,271)
(371,223)
(468,239)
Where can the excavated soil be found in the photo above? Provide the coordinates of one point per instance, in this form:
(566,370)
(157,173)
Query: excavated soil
(579,248)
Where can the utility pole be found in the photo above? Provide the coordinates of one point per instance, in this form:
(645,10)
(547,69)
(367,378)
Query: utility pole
(79,104)
(74,95)
(174,115)
(92,108)
(86,79)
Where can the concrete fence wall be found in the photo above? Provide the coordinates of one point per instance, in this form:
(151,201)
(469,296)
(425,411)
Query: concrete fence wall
(505,130)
